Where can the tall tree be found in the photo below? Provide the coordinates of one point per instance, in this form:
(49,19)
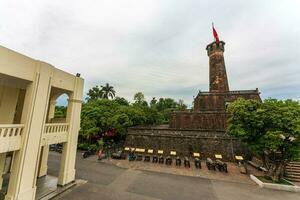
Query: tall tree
(94,93)
(121,101)
(139,99)
(271,129)
(108,91)
(153,102)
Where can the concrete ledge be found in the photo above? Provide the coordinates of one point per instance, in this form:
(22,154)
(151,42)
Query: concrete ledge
(289,188)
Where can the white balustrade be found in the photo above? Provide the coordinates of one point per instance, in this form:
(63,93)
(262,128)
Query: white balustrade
(55,133)
(10,137)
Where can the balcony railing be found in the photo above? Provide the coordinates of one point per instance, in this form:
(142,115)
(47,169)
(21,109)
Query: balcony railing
(55,133)
(10,137)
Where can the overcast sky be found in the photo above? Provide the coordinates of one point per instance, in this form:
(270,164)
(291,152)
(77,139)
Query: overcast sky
(158,46)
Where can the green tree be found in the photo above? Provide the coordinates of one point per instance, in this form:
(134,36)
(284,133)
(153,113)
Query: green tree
(60,112)
(108,91)
(271,129)
(94,93)
(166,103)
(121,101)
(153,102)
(139,99)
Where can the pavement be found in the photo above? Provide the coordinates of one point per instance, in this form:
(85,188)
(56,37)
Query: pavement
(108,181)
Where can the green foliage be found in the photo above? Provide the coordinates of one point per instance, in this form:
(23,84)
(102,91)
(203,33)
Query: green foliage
(100,143)
(108,91)
(60,112)
(121,101)
(83,146)
(139,99)
(273,125)
(271,129)
(94,93)
(100,115)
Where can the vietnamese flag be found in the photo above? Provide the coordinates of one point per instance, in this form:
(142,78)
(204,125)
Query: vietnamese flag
(215,34)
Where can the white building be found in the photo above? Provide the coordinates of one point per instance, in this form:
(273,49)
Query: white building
(28,92)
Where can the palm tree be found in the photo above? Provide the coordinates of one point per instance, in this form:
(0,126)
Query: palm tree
(94,93)
(108,91)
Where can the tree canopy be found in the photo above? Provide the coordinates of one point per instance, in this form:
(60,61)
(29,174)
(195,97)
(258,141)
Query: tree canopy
(107,91)
(99,115)
(270,128)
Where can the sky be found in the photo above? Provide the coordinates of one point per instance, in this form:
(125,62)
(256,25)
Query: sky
(158,46)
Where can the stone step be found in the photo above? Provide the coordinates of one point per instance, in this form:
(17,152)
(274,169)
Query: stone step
(294,164)
(292,176)
(292,173)
(292,169)
(292,179)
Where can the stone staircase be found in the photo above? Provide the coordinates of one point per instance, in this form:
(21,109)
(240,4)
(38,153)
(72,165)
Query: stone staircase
(292,171)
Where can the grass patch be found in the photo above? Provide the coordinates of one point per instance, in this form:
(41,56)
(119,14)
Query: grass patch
(267,179)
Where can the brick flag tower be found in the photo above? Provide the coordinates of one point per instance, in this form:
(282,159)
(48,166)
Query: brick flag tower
(203,128)
(217,72)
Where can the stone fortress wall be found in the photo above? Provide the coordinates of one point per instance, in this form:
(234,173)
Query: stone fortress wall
(185,142)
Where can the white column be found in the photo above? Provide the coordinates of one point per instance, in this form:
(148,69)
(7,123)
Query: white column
(2,165)
(43,167)
(51,110)
(67,167)
(22,184)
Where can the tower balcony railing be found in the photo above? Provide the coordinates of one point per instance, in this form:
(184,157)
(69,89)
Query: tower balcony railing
(55,133)
(10,137)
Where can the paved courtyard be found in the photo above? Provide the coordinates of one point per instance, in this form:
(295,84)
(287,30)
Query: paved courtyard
(109,182)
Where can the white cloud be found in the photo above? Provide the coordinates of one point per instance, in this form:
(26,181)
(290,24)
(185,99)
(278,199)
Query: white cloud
(158,46)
